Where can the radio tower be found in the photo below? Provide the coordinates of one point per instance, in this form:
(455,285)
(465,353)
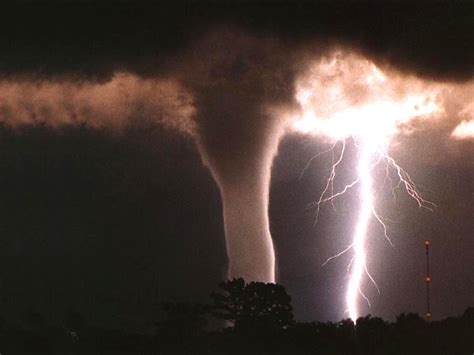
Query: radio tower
(428,280)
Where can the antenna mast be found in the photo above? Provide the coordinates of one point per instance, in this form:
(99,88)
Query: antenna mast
(428,280)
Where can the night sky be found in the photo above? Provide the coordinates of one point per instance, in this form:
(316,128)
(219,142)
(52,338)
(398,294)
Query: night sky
(111,221)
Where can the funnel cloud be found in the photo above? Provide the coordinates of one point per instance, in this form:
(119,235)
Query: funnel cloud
(237,81)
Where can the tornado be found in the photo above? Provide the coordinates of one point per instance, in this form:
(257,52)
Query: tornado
(242,171)
(238,81)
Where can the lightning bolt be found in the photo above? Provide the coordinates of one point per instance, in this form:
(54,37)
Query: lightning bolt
(371,154)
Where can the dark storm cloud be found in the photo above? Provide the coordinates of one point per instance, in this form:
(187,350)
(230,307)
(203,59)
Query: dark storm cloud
(85,38)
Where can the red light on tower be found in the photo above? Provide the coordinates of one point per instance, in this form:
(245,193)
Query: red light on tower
(428,279)
(427,242)
(428,315)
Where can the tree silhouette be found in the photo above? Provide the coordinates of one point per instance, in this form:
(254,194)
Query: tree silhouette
(74,323)
(371,334)
(33,320)
(253,307)
(183,319)
(411,334)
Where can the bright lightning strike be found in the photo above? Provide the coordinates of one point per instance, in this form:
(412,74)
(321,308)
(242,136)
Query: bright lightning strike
(346,96)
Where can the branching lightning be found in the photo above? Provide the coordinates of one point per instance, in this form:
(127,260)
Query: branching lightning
(370,155)
(371,119)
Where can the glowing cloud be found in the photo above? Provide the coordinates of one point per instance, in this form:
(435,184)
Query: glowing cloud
(114,104)
(345,95)
(464,130)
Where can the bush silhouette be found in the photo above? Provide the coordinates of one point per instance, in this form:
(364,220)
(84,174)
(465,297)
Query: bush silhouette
(253,307)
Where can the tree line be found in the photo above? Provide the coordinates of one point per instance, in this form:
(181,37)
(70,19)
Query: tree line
(243,318)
